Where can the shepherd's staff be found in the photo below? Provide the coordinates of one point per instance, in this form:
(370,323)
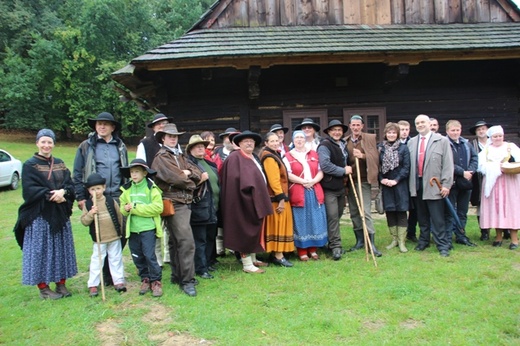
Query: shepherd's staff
(96,223)
(360,203)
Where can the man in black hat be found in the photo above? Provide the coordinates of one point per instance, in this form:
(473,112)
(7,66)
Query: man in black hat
(149,146)
(221,152)
(178,178)
(103,153)
(280,131)
(332,154)
(480,141)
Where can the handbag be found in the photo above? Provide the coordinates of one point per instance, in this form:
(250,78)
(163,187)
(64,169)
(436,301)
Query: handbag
(379,202)
(168,209)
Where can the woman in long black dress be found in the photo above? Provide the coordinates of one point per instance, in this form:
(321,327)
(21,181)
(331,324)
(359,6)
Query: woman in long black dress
(43,228)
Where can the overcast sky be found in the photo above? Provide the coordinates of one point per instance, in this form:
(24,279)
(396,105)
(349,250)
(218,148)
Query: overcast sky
(517,2)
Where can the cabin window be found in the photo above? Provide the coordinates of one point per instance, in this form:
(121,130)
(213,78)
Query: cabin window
(291,118)
(374,119)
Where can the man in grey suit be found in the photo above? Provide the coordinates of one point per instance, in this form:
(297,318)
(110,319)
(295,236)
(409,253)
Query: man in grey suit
(430,156)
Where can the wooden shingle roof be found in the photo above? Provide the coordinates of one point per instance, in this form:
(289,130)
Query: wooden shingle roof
(265,46)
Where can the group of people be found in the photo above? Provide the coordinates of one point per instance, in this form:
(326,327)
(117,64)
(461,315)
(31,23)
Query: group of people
(254,194)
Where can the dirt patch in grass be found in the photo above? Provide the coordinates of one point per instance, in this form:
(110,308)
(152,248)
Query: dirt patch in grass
(411,324)
(109,333)
(373,325)
(159,317)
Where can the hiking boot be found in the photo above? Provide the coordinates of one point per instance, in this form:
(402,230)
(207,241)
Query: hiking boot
(62,289)
(156,289)
(145,286)
(47,293)
(120,288)
(93,292)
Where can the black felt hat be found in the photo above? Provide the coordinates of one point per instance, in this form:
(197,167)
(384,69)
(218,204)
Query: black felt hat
(277,127)
(237,137)
(95,179)
(333,123)
(308,121)
(480,123)
(159,117)
(125,171)
(105,116)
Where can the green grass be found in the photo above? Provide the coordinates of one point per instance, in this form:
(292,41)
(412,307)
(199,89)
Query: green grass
(416,298)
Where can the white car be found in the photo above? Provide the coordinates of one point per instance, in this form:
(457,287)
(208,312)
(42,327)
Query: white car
(10,170)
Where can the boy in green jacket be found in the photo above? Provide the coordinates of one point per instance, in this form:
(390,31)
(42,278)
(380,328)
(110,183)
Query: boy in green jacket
(141,202)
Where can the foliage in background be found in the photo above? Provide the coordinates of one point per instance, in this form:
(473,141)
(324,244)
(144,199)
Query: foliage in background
(56,57)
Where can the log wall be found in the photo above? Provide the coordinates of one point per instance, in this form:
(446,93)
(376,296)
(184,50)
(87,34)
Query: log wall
(254,13)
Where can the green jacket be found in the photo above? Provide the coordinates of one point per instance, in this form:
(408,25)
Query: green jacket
(153,209)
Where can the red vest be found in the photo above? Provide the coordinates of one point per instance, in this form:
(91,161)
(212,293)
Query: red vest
(297,191)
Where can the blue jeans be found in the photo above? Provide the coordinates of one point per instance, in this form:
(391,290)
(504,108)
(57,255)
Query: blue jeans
(142,248)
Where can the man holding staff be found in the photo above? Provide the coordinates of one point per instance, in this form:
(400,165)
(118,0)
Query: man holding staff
(363,157)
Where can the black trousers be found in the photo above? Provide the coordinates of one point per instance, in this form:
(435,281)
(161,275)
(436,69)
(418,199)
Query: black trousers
(431,218)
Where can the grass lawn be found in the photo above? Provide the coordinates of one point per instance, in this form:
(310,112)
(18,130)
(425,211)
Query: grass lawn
(417,298)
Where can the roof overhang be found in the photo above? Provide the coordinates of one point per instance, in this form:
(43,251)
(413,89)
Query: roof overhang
(242,48)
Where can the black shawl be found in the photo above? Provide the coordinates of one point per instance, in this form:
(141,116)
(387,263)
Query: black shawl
(39,177)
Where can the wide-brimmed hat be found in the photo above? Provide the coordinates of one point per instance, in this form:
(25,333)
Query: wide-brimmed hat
(277,127)
(95,179)
(308,121)
(194,140)
(334,123)
(228,131)
(473,129)
(125,171)
(237,137)
(159,117)
(104,116)
(170,129)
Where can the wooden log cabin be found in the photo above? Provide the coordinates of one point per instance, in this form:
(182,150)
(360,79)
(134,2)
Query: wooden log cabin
(252,63)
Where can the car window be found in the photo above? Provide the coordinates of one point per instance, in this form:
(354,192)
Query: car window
(4,157)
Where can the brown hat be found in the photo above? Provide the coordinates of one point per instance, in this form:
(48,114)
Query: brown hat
(170,129)
(194,140)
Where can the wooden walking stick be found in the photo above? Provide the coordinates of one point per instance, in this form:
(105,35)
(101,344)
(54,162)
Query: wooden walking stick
(361,207)
(98,238)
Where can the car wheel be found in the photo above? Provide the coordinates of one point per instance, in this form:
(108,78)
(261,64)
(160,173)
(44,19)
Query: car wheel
(15,181)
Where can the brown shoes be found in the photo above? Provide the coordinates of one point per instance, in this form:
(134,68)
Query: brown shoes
(47,293)
(157,289)
(145,286)
(62,289)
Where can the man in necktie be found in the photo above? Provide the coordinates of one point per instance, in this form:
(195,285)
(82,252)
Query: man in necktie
(431,156)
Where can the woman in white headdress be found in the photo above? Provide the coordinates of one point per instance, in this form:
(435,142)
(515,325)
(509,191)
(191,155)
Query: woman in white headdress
(499,200)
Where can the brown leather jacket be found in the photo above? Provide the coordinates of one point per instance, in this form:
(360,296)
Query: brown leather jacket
(171,179)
